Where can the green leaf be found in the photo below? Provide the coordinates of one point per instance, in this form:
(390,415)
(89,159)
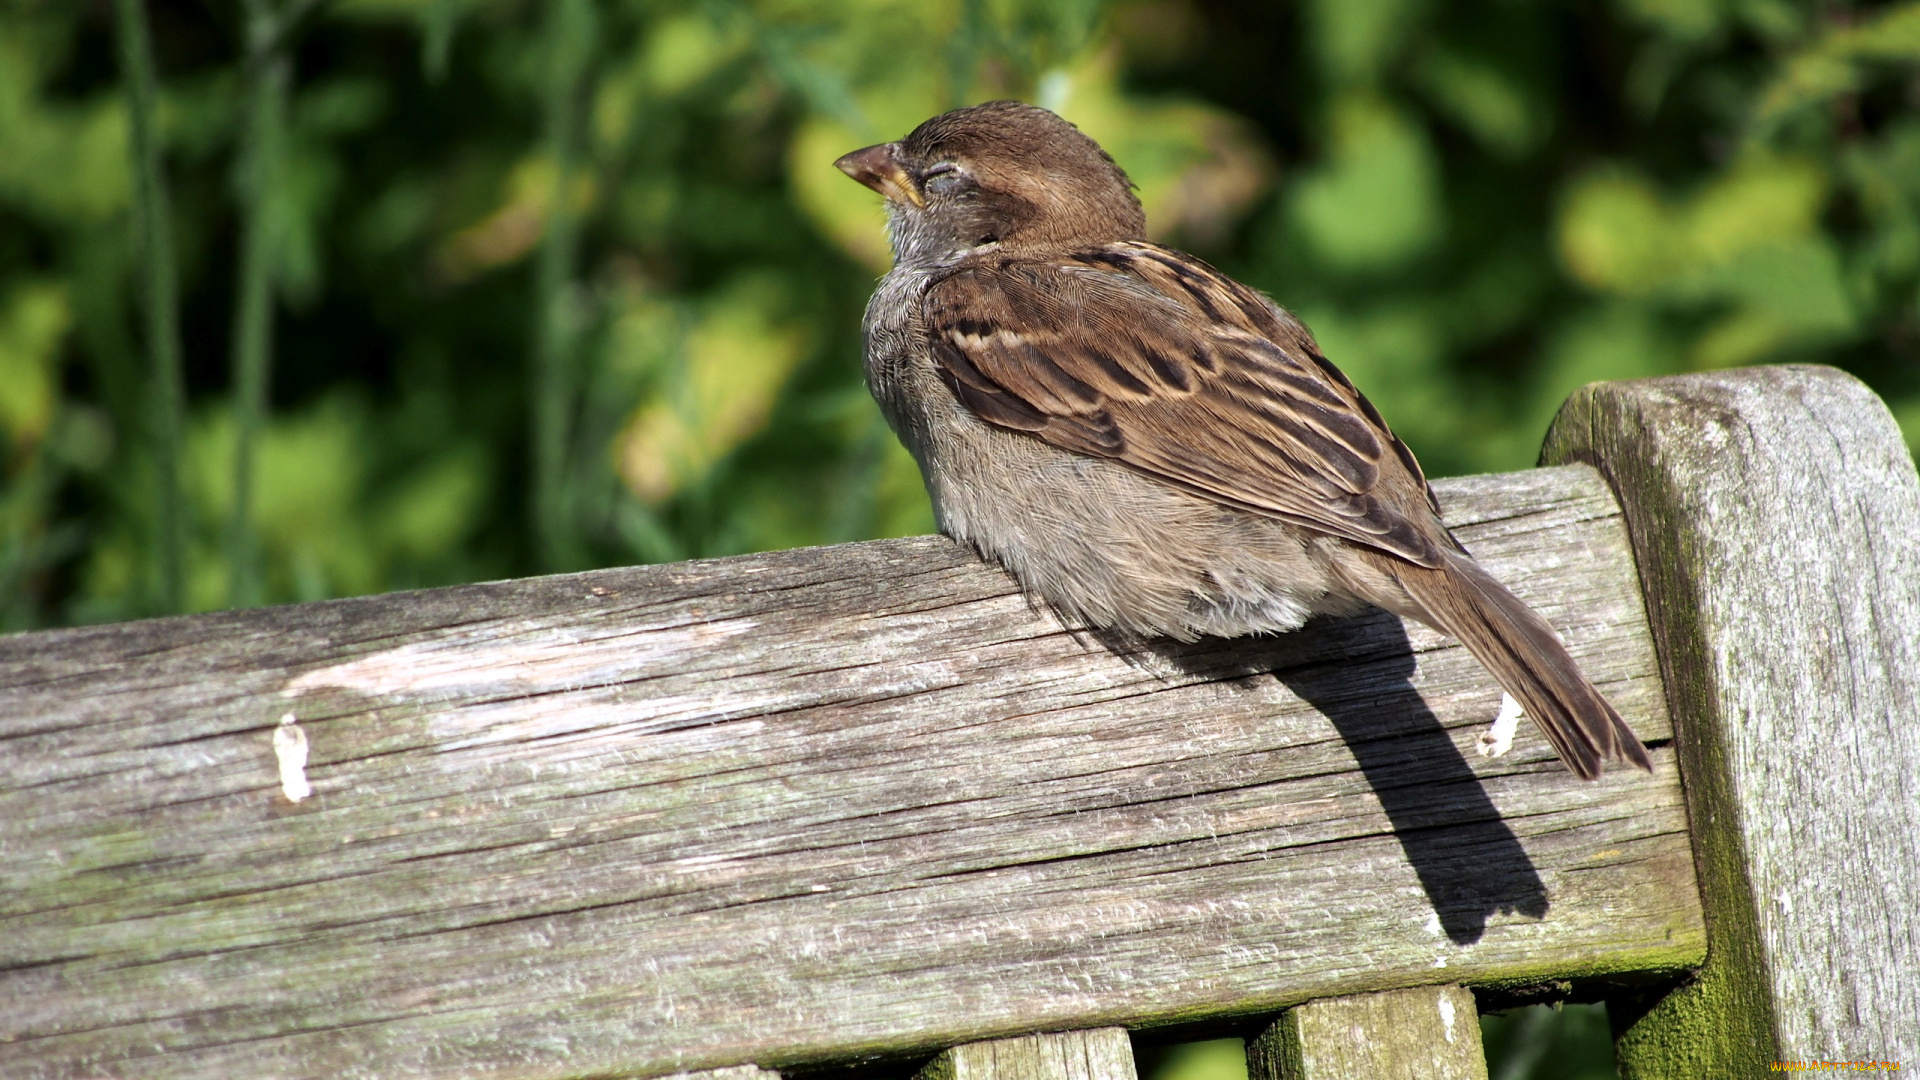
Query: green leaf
(738,354)
(1617,340)
(1496,108)
(1618,233)
(1375,202)
(1836,62)
(1355,40)
(1794,282)
(1684,20)
(431,510)
(34,319)
(63,162)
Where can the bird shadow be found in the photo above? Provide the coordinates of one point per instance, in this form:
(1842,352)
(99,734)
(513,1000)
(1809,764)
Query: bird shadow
(1358,672)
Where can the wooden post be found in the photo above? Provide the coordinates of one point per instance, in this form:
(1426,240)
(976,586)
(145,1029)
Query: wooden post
(1775,514)
(1099,1054)
(1427,1033)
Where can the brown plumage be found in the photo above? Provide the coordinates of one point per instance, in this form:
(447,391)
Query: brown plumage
(1146,443)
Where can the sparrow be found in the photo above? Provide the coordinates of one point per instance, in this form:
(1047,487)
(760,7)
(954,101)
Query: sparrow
(1146,444)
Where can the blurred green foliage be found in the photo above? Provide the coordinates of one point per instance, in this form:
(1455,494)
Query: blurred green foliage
(551,286)
(1540,1042)
(545,286)
(1211,1059)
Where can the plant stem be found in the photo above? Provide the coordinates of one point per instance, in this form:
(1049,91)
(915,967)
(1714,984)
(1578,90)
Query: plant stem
(153,243)
(570,30)
(963,53)
(262,152)
(441,20)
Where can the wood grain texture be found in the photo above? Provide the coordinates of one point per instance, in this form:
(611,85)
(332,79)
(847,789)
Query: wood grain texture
(1427,1033)
(1777,517)
(797,807)
(1098,1054)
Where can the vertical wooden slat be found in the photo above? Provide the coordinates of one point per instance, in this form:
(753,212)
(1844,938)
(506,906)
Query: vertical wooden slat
(1773,513)
(1097,1054)
(1428,1033)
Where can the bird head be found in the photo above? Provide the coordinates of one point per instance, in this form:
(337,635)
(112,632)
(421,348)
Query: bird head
(1003,174)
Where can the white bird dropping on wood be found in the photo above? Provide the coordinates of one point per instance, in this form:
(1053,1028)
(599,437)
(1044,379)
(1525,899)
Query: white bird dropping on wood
(1498,739)
(290,747)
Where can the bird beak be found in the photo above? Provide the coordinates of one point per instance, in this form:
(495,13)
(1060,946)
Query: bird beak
(879,169)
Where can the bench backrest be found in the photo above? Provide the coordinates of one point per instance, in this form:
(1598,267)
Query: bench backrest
(826,805)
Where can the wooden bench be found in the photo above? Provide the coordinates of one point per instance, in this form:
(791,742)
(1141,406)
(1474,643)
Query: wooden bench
(863,808)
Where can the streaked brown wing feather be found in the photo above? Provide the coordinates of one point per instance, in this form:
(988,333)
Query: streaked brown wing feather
(1132,353)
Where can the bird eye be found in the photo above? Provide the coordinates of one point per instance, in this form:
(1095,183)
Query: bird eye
(942,179)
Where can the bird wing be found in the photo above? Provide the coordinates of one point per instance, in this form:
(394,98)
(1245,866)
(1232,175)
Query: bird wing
(1143,356)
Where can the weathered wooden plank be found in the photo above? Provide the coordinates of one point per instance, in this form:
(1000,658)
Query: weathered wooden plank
(1777,516)
(1098,1054)
(793,808)
(1426,1033)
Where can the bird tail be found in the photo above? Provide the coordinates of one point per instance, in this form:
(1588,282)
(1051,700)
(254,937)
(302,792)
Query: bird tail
(1522,651)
